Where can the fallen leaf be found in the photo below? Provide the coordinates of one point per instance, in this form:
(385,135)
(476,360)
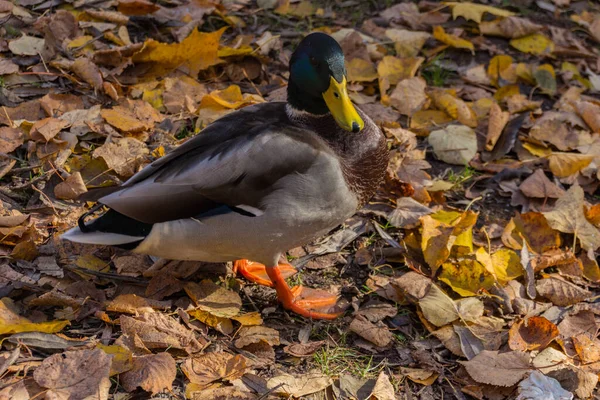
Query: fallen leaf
(26,46)
(440,310)
(47,128)
(88,71)
(511,27)
(383,390)
(407,43)
(124,155)
(420,376)
(8,67)
(121,358)
(71,188)
(456,144)
(359,70)
(206,368)
(378,334)
(11,322)
(134,304)
(132,116)
(568,217)
(534,333)
(467,278)
(10,139)
(159,331)
(407,213)
(409,95)
(500,71)
(474,12)
(497,122)
(153,373)
(587,349)
(75,375)
(590,112)
(540,386)
(545,78)
(305,384)
(210,297)
(452,40)
(534,228)
(561,293)
(392,70)
(195,53)
(254,334)
(498,369)
(537,185)
(536,44)
(503,264)
(455,107)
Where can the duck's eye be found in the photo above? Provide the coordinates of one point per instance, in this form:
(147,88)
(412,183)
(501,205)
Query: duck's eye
(314,62)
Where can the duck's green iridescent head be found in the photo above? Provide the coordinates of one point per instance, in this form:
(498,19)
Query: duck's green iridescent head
(317,81)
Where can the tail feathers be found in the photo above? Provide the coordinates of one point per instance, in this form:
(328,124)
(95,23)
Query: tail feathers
(102,238)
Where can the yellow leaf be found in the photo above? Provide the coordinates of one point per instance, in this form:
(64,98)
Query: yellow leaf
(220,102)
(248,319)
(474,12)
(463,225)
(454,106)
(452,40)
(425,120)
(506,91)
(360,70)
(537,150)
(499,68)
(222,324)
(392,70)
(467,278)
(195,53)
(227,51)
(154,97)
(566,164)
(122,358)
(11,322)
(536,44)
(504,264)
(436,242)
(524,73)
(546,78)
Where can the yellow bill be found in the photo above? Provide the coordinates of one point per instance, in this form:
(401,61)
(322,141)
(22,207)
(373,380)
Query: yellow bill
(338,102)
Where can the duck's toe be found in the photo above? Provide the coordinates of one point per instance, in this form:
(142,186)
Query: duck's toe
(257,272)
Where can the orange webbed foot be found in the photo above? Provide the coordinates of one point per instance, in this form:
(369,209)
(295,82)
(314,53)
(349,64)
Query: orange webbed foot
(257,272)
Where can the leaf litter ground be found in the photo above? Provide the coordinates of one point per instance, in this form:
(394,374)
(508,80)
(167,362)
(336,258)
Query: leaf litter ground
(472,274)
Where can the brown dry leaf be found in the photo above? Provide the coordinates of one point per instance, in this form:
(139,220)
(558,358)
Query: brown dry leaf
(511,27)
(8,67)
(303,349)
(195,53)
(534,333)
(452,40)
(45,129)
(153,373)
(498,369)
(467,277)
(536,44)
(124,155)
(212,298)
(455,107)
(11,322)
(535,229)
(587,349)
(10,139)
(440,310)
(409,95)
(121,358)
(71,188)
(26,46)
(455,144)
(590,112)
(378,334)
(568,217)
(204,369)
(88,71)
(407,43)
(137,7)
(537,185)
(497,122)
(383,389)
(132,116)
(75,375)
(305,384)
(248,335)
(133,304)
(423,121)
(159,331)
(560,292)
(408,212)
(420,376)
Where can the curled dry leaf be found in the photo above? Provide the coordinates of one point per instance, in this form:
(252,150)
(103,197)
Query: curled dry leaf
(153,373)
(590,112)
(511,27)
(497,122)
(498,369)
(533,333)
(454,107)
(564,165)
(378,334)
(75,375)
(134,304)
(255,334)
(88,71)
(207,368)
(383,389)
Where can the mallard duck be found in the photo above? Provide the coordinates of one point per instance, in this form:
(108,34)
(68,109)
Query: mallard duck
(256,183)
